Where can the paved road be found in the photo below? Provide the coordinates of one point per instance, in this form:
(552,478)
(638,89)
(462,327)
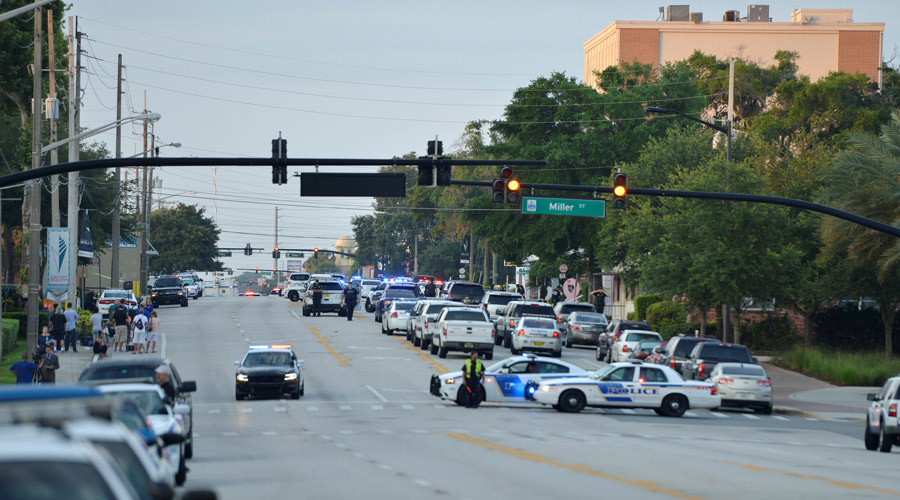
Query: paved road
(367,428)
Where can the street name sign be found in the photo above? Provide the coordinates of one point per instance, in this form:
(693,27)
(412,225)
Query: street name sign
(224,253)
(295,255)
(564,206)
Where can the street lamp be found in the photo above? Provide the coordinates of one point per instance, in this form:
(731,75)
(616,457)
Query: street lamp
(160,200)
(156,149)
(151,117)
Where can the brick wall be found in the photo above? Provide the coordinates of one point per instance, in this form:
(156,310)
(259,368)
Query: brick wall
(640,45)
(859,51)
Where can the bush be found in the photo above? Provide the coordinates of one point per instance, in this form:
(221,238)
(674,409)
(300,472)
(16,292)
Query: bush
(848,327)
(775,333)
(83,325)
(10,334)
(672,329)
(630,316)
(667,312)
(642,302)
(43,319)
(842,368)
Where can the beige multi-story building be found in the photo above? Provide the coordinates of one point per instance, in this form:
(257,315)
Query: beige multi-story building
(825,40)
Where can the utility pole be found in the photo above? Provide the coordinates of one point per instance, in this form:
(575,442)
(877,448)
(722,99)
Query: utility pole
(74,104)
(471,253)
(148,207)
(726,309)
(142,209)
(484,274)
(275,266)
(416,254)
(34,216)
(117,188)
(51,115)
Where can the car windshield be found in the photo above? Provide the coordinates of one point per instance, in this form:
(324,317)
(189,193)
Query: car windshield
(435,308)
(28,480)
(539,323)
(403,306)
(299,277)
(752,371)
(370,282)
(502,299)
(648,345)
(637,337)
(188,281)
(166,283)
(401,292)
(473,315)
(684,346)
(149,401)
(331,285)
(460,290)
(715,352)
(583,317)
(267,359)
(567,308)
(99,372)
(129,466)
(603,371)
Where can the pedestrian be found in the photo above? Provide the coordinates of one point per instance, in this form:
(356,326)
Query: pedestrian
(351,298)
(599,296)
(100,348)
(148,307)
(90,301)
(153,331)
(58,326)
(96,323)
(71,325)
(140,331)
(556,296)
(164,379)
(24,370)
(316,290)
(473,371)
(49,364)
(520,289)
(122,320)
(430,288)
(44,338)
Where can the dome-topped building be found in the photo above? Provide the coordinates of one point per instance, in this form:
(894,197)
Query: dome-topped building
(347,245)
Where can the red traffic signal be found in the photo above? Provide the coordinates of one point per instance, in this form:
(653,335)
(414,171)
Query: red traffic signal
(506,172)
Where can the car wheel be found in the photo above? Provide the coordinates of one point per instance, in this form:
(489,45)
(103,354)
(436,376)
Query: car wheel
(295,395)
(409,336)
(303,389)
(383,331)
(765,410)
(294,296)
(305,311)
(442,352)
(557,354)
(417,341)
(238,396)
(185,303)
(568,343)
(598,355)
(609,355)
(434,349)
(489,355)
(181,475)
(871,438)
(514,351)
(659,412)
(674,405)
(887,442)
(196,297)
(424,342)
(460,397)
(571,401)
(556,407)
(506,342)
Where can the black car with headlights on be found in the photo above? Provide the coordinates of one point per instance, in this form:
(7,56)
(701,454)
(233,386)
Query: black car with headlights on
(269,371)
(168,290)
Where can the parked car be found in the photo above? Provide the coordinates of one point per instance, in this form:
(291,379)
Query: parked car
(679,348)
(366,286)
(463,329)
(611,334)
(426,313)
(584,328)
(645,348)
(536,334)
(706,355)
(496,301)
(393,292)
(332,298)
(743,386)
(463,291)
(882,424)
(627,342)
(113,295)
(192,288)
(396,317)
(510,315)
(374,296)
(563,309)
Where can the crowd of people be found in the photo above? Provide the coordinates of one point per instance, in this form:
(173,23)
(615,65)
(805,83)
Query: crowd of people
(139,325)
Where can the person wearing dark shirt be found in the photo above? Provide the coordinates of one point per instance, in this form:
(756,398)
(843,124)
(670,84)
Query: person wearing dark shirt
(44,338)
(164,379)
(89,301)
(430,288)
(24,370)
(100,347)
(58,326)
(121,319)
(351,297)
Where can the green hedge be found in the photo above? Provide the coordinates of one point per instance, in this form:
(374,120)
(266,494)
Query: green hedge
(10,334)
(23,321)
(774,333)
(667,312)
(843,368)
(642,302)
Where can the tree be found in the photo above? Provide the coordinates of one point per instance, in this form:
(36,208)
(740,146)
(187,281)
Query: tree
(322,265)
(185,239)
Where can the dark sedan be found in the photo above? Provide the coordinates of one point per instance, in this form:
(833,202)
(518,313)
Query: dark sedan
(269,371)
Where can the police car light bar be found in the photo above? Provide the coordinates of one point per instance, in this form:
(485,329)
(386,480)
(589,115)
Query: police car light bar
(282,346)
(259,347)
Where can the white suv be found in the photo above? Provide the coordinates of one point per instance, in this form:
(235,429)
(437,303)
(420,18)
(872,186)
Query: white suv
(882,424)
(295,282)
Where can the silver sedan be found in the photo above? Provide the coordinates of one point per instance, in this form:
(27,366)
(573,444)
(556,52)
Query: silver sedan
(743,385)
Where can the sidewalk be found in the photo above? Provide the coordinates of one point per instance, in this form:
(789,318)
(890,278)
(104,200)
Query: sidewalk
(798,394)
(72,364)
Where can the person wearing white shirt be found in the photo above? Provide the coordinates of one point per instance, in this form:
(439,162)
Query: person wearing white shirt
(140,323)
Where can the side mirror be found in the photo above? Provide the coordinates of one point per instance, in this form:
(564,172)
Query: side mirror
(300,364)
(189,386)
(237,363)
(182,409)
(504,370)
(755,362)
(872,396)
(170,438)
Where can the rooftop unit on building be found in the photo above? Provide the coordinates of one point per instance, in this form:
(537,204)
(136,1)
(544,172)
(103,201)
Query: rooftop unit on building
(758,14)
(678,13)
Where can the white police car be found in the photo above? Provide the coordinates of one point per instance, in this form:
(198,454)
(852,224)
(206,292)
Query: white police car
(628,385)
(506,381)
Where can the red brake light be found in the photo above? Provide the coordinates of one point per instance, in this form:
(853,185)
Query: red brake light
(445,331)
(765,383)
(576,327)
(702,369)
(556,335)
(725,381)
(394,315)
(512,323)
(521,332)
(892,410)
(426,323)
(624,348)
(712,391)
(640,380)
(672,363)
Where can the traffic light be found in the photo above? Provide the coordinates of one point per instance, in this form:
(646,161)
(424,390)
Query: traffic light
(276,253)
(619,190)
(279,161)
(248,250)
(315,253)
(443,175)
(506,190)
(435,151)
(512,191)
(257,270)
(499,190)
(426,174)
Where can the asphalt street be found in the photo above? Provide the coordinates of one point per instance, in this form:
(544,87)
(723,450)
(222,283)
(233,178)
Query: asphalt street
(368,428)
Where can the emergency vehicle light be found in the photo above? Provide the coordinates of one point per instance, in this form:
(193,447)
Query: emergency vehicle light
(282,346)
(259,347)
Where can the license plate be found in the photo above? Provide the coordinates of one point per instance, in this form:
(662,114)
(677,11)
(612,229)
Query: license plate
(745,395)
(468,345)
(538,344)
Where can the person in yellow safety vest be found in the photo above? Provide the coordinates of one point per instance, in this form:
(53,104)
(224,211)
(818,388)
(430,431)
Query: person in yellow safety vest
(473,372)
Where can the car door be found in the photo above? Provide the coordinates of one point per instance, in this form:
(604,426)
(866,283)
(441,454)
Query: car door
(616,386)
(512,379)
(650,384)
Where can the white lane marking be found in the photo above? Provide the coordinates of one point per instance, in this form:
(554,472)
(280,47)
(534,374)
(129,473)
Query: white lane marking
(269,433)
(344,408)
(690,414)
(377,407)
(383,431)
(341,445)
(408,407)
(385,466)
(628,411)
(720,415)
(230,434)
(242,332)
(281,409)
(420,431)
(752,417)
(346,432)
(215,410)
(779,417)
(422,482)
(246,410)
(811,419)
(440,407)
(358,454)
(162,345)
(313,408)
(377,394)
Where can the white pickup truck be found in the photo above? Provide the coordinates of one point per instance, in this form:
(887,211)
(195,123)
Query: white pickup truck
(463,329)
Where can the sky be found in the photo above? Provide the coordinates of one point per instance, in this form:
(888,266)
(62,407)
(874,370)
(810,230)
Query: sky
(337,79)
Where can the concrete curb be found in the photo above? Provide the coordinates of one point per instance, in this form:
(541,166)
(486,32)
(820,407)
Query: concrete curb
(787,410)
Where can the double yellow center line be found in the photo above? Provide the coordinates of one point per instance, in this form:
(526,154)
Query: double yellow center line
(341,360)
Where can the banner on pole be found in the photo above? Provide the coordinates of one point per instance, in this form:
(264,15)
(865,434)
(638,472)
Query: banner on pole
(85,244)
(57,269)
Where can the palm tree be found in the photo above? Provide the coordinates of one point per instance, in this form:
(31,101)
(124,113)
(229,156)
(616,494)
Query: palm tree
(865,180)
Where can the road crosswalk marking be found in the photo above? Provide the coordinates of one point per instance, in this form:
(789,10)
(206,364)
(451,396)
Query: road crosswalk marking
(313,408)
(753,417)
(720,415)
